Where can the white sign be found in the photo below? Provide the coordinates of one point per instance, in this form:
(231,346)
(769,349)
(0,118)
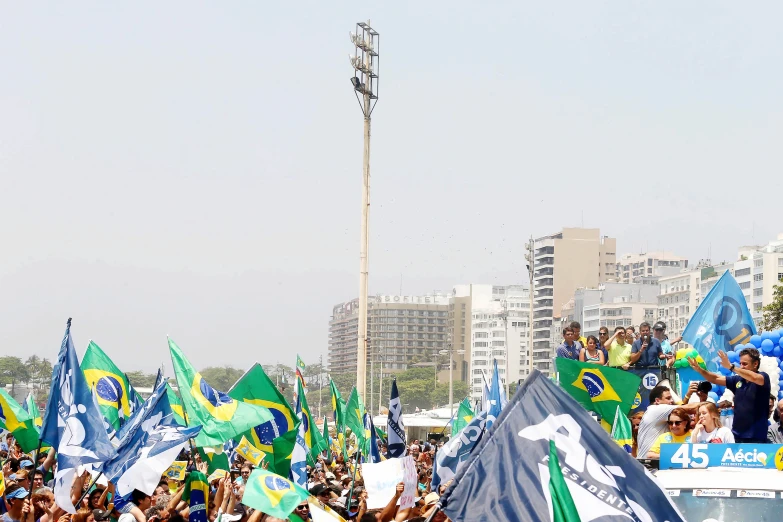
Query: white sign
(411,479)
(381,479)
(712,493)
(745,493)
(650,381)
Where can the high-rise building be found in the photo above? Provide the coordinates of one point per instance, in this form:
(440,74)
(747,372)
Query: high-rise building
(402,330)
(573,258)
(612,305)
(757,270)
(632,268)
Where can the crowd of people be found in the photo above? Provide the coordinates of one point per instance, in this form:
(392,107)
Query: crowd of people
(626,347)
(334,482)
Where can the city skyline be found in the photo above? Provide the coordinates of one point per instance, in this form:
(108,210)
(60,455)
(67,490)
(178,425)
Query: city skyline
(168,170)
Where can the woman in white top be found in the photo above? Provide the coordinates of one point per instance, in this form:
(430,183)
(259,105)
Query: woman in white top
(709,428)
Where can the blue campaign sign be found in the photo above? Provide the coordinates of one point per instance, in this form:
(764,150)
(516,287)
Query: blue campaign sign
(650,376)
(694,456)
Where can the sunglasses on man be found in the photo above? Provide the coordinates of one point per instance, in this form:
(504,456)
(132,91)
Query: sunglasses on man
(675,423)
(303,507)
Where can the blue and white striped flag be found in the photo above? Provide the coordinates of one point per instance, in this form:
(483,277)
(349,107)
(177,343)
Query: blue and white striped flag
(394,425)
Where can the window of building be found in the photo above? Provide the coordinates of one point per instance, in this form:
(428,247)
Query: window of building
(480,344)
(758,292)
(758,277)
(745,285)
(742,272)
(480,335)
(498,334)
(758,263)
(498,343)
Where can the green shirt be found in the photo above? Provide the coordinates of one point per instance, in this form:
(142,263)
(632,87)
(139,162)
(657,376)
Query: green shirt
(619,354)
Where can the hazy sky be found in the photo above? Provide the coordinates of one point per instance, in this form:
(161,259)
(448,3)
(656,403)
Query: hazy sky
(194,168)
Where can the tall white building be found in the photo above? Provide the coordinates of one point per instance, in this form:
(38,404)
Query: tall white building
(612,305)
(631,268)
(497,330)
(757,270)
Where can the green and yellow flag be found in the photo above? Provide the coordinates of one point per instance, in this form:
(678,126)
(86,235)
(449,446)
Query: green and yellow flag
(465,414)
(338,411)
(255,387)
(214,460)
(326,438)
(622,431)
(221,417)
(249,452)
(272,494)
(176,405)
(599,388)
(14,419)
(111,385)
(312,437)
(196,494)
(354,419)
(563,507)
(177,470)
(300,369)
(282,449)
(32,408)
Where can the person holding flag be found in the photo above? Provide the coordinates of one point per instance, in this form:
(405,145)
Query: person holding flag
(396,443)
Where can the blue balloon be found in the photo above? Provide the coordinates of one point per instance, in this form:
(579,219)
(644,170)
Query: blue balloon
(713,395)
(780,343)
(781,365)
(733,356)
(775,337)
(755,340)
(767,346)
(780,394)
(720,390)
(724,371)
(777,351)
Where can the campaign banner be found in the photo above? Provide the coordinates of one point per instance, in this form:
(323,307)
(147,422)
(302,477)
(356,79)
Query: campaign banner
(650,376)
(696,456)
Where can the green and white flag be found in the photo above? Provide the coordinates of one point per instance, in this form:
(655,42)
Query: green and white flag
(563,507)
(622,432)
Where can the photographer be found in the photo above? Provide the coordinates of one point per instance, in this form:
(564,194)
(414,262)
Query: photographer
(646,350)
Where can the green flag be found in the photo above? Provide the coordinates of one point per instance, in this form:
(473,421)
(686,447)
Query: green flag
(622,432)
(338,407)
(33,411)
(279,459)
(111,385)
(214,461)
(354,419)
(563,507)
(599,388)
(176,405)
(272,494)
(464,415)
(326,440)
(312,437)
(220,416)
(21,425)
(196,493)
(255,387)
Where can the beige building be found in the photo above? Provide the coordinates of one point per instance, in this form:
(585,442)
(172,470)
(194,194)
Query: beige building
(573,258)
(632,268)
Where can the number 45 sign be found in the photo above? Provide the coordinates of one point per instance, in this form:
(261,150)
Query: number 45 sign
(685,456)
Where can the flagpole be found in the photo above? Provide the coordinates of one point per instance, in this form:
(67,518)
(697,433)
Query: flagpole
(353,479)
(86,491)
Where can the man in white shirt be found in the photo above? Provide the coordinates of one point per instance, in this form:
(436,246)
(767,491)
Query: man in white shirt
(653,423)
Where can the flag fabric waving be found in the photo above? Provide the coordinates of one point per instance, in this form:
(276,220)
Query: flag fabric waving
(338,411)
(327,440)
(563,508)
(73,426)
(300,369)
(602,479)
(312,436)
(454,454)
(721,322)
(249,452)
(464,415)
(176,405)
(20,423)
(110,385)
(31,407)
(495,398)
(196,494)
(371,452)
(301,450)
(396,446)
(354,418)
(282,452)
(272,494)
(599,388)
(220,416)
(256,388)
(622,431)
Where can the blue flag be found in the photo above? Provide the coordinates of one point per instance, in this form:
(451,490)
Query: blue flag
(394,425)
(301,451)
(604,482)
(721,322)
(72,425)
(495,399)
(375,454)
(155,409)
(454,454)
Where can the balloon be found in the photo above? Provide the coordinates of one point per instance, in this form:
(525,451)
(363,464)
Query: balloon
(766,335)
(775,337)
(781,365)
(693,353)
(780,394)
(780,383)
(682,363)
(699,359)
(777,351)
(724,371)
(755,340)
(733,356)
(703,365)
(767,346)
(712,395)
(780,343)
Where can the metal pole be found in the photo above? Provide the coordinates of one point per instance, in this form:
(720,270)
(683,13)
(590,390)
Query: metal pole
(320,382)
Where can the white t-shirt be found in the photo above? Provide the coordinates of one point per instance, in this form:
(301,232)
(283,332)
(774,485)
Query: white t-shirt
(721,435)
(653,425)
(126,517)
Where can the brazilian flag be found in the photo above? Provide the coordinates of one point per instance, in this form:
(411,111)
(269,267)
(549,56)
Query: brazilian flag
(196,494)
(21,425)
(214,461)
(272,494)
(110,384)
(599,388)
(255,387)
(327,438)
(465,414)
(220,416)
(312,436)
(279,459)
(32,408)
(354,419)
(338,411)
(176,405)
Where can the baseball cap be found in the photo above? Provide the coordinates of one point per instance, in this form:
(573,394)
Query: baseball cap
(26,464)
(319,489)
(100,515)
(431,498)
(329,475)
(17,493)
(660,325)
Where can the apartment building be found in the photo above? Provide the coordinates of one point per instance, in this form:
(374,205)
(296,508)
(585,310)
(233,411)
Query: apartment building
(631,268)
(611,305)
(757,270)
(563,262)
